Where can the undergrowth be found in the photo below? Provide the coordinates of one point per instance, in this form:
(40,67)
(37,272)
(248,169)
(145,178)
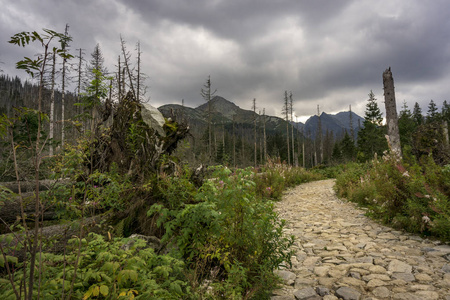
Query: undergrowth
(407,194)
(222,240)
(230,237)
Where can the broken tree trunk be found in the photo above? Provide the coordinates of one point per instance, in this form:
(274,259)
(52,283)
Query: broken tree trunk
(57,235)
(30,186)
(10,210)
(391,113)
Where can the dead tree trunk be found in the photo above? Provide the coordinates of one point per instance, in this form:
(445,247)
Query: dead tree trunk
(57,234)
(391,113)
(445,132)
(11,210)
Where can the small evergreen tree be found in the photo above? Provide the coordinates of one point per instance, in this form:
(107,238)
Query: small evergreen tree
(347,147)
(417,114)
(371,138)
(445,111)
(406,125)
(433,113)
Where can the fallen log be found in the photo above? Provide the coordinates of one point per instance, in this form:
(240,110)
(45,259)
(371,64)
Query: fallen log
(30,186)
(56,236)
(10,210)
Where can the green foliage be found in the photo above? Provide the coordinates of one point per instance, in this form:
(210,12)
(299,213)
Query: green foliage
(97,90)
(275,178)
(33,66)
(344,150)
(433,114)
(20,131)
(89,192)
(406,194)
(406,126)
(428,140)
(225,227)
(417,114)
(371,138)
(108,269)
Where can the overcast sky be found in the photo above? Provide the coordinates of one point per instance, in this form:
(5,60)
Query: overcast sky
(328,53)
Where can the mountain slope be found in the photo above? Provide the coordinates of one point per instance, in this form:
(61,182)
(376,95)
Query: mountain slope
(224,111)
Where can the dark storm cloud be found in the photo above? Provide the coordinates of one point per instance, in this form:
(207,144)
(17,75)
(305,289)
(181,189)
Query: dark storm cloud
(328,53)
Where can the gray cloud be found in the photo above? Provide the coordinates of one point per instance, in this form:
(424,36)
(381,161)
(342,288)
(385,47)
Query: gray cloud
(328,53)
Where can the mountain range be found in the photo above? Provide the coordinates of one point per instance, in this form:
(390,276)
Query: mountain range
(224,111)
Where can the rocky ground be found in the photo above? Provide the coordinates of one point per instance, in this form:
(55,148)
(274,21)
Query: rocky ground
(342,254)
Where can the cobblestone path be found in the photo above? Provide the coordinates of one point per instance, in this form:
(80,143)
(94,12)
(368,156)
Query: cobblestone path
(342,254)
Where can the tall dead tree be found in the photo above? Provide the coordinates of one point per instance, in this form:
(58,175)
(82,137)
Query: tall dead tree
(207,95)
(126,58)
(138,75)
(254,127)
(264,135)
(260,133)
(319,135)
(234,142)
(80,60)
(298,141)
(391,112)
(286,116)
(52,105)
(141,88)
(303,146)
(119,80)
(63,87)
(291,110)
(352,130)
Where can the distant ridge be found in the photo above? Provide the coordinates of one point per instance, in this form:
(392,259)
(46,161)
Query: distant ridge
(224,111)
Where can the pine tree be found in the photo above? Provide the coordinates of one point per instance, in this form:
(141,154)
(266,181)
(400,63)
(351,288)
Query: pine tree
(445,111)
(371,138)
(347,146)
(417,115)
(96,71)
(406,125)
(433,113)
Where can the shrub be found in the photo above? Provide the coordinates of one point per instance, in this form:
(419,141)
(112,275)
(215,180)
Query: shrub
(229,237)
(406,194)
(277,177)
(107,269)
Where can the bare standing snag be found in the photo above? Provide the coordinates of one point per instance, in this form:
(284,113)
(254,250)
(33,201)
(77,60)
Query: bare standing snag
(391,112)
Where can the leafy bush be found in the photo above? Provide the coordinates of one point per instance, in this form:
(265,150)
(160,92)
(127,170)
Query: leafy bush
(277,177)
(406,194)
(106,269)
(231,238)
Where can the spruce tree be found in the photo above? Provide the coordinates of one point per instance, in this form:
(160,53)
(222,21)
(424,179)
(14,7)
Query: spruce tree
(445,111)
(406,125)
(433,113)
(348,148)
(417,114)
(371,138)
